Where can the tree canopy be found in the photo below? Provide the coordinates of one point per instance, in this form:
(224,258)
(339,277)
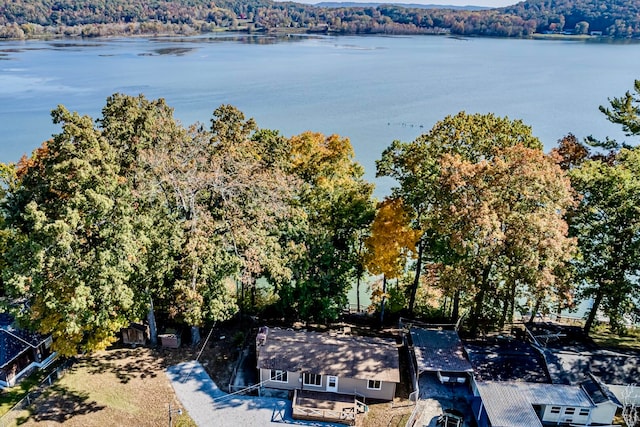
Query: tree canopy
(133,214)
(606,222)
(489,204)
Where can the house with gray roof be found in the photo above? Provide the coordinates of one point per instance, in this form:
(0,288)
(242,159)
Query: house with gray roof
(523,404)
(21,352)
(328,363)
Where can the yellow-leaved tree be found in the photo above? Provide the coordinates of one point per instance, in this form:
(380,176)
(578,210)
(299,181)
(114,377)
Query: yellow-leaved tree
(391,244)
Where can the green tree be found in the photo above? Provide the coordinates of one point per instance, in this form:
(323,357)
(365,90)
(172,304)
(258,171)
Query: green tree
(334,207)
(229,191)
(74,245)
(133,126)
(625,111)
(607,226)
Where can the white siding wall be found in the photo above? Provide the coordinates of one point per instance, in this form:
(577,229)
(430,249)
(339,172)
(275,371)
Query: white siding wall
(564,416)
(345,385)
(292,380)
(351,386)
(604,413)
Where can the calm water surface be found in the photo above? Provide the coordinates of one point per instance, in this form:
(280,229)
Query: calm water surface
(370,89)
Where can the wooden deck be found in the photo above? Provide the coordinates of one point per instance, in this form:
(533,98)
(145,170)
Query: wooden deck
(330,407)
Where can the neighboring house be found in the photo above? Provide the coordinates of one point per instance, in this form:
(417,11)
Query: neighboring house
(441,352)
(522,404)
(329,363)
(21,352)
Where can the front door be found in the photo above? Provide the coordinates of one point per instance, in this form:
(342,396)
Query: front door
(332,383)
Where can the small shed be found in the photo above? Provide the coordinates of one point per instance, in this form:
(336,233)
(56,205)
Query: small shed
(135,334)
(170,339)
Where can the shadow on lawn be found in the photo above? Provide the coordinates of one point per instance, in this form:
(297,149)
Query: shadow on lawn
(136,367)
(64,405)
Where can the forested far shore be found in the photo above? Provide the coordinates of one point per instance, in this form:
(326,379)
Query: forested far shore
(133,216)
(21,19)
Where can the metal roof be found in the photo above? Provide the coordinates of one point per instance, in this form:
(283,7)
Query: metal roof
(439,350)
(510,404)
(325,354)
(506,406)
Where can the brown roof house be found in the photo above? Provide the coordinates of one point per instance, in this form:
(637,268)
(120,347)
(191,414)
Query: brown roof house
(331,375)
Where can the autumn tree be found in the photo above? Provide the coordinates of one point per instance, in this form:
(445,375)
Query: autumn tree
(480,222)
(503,218)
(391,243)
(105,222)
(229,192)
(416,168)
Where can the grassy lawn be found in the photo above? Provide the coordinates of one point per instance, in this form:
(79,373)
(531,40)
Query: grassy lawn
(604,338)
(121,387)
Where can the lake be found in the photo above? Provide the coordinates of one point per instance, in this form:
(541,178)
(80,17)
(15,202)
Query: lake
(372,89)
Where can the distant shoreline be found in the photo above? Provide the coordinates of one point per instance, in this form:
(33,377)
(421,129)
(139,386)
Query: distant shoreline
(56,33)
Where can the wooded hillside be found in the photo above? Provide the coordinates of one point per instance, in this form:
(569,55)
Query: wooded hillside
(24,19)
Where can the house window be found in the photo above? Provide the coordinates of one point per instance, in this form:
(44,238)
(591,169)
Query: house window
(279,376)
(312,379)
(584,412)
(570,411)
(555,409)
(374,385)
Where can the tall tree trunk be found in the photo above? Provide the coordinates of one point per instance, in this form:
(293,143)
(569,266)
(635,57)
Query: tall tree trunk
(253,296)
(358,292)
(592,313)
(151,319)
(384,298)
(416,279)
(195,335)
(477,311)
(455,311)
(535,310)
(479,300)
(360,272)
(507,304)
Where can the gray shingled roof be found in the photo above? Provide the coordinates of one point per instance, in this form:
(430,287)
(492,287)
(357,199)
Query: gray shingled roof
(438,350)
(510,404)
(321,353)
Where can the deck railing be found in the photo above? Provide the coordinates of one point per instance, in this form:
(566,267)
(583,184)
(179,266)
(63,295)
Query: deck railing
(347,415)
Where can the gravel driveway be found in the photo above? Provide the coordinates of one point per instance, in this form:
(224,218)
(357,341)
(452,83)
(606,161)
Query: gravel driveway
(209,406)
